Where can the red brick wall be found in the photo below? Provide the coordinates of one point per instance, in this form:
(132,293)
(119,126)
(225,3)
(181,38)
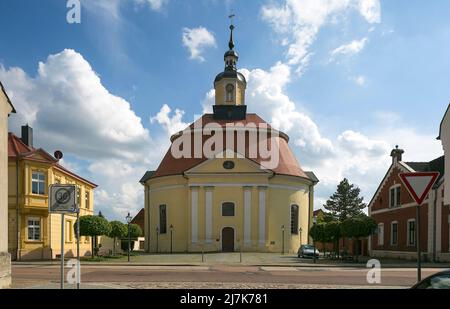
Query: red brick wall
(401,215)
(382,200)
(445,229)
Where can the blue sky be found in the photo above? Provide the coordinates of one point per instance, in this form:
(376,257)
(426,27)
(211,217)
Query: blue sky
(362,76)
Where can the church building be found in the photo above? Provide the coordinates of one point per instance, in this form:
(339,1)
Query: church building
(229,182)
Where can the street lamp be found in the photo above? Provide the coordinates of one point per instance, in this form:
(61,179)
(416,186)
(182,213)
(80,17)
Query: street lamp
(314,240)
(171,238)
(282,237)
(129,218)
(300,230)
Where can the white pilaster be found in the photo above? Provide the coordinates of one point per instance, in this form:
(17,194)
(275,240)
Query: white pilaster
(247,215)
(262,215)
(194,214)
(208,213)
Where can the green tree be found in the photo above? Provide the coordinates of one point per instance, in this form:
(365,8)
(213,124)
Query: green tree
(118,230)
(358,227)
(93,226)
(333,234)
(317,233)
(345,202)
(135,231)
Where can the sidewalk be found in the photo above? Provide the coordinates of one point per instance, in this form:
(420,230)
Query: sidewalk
(233,259)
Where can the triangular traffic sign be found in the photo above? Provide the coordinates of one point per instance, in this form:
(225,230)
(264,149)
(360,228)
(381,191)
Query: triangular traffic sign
(419,184)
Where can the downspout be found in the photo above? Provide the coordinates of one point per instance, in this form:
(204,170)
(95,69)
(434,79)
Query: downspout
(17,210)
(434,223)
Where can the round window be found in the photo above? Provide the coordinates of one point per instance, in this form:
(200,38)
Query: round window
(228,165)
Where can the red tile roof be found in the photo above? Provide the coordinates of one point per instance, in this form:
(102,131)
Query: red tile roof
(288,164)
(139,219)
(18,149)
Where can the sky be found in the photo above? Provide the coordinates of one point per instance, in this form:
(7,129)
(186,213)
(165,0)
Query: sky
(347,80)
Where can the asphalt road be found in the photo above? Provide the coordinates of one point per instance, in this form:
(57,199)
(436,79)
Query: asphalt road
(222,276)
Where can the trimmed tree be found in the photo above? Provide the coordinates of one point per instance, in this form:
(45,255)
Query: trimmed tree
(135,232)
(358,227)
(118,230)
(345,202)
(93,226)
(317,233)
(333,234)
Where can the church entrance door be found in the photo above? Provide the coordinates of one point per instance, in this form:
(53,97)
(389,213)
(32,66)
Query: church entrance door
(228,239)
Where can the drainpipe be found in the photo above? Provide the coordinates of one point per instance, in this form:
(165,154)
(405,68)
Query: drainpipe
(17,210)
(434,223)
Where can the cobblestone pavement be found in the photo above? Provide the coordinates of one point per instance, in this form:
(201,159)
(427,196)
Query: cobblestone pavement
(219,276)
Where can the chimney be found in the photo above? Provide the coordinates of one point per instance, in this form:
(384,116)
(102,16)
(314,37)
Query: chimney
(27,135)
(396,154)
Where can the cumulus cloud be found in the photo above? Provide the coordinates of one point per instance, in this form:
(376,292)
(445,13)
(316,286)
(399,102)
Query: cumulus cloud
(70,109)
(170,124)
(359,80)
(299,21)
(155,5)
(349,49)
(196,40)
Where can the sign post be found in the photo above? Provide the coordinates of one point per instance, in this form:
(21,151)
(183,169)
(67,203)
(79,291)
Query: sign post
(419,185)
(63,200)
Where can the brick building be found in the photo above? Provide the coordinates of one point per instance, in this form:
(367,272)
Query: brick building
(395,211)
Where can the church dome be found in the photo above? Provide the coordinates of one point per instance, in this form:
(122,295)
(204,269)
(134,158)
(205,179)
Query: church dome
(288,164)
(230,74)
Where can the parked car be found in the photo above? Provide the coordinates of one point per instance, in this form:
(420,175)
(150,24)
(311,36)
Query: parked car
(307,251)
(437,281)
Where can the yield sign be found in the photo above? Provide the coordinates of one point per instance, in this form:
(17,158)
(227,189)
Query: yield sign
(419,184)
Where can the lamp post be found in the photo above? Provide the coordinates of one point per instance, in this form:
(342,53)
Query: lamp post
(171,238)
(314,240)
(129,218)
(282,237)
(300,234)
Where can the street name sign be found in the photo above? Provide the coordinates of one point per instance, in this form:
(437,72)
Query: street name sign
(63,199)
(419,184)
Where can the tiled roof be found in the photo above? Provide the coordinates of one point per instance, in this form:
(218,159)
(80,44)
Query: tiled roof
(139,219)
(436,165)
(18,149)
(288,164)
(146,176)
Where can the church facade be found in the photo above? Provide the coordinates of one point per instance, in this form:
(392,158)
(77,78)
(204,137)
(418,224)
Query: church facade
(229,182)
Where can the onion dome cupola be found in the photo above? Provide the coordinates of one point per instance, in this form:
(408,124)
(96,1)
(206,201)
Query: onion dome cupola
(230,87)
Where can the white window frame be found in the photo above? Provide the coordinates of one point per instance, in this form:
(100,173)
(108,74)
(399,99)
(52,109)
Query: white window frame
(392,233)
(68,231)
(396,203)
(87,199)
(34,219)
(380,234)
(408,233)
(39,182)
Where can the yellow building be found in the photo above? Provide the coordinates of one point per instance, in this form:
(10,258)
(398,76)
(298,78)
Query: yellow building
(6,108)
(218,189)
(37,233)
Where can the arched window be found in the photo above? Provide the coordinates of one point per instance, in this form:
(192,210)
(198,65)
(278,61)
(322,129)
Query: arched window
(228,209)
(230,92)
(294,219)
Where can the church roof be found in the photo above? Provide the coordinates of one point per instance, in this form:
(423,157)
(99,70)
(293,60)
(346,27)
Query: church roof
(288,164)
(13,110)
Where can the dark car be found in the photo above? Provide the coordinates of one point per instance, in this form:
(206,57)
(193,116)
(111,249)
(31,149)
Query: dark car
(307,251)
(437,281)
